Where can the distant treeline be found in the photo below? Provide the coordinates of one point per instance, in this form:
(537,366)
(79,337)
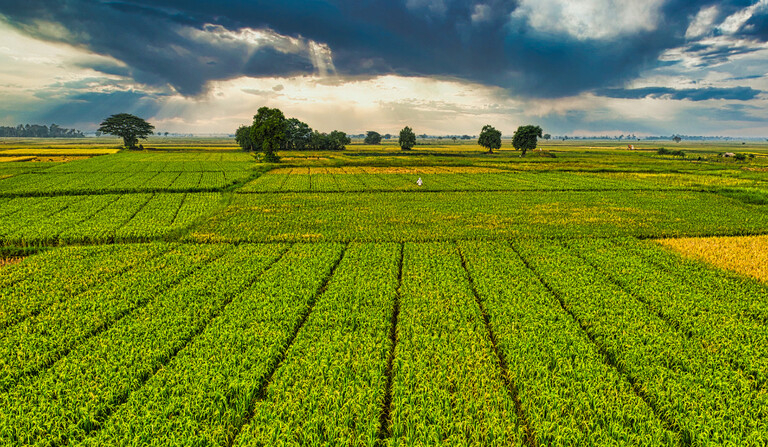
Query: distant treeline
(38,131)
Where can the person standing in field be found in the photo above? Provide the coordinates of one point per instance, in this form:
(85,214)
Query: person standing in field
(419,182)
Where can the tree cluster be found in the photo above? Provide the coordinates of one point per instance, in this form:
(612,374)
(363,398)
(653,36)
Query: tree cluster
(39,131)
(271,131)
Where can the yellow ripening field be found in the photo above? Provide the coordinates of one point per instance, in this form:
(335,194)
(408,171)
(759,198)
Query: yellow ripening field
(14,159)
(59,151)
(747,255)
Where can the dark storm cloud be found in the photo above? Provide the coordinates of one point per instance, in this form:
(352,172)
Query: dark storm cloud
(87,108)
(691,94)
(171,42)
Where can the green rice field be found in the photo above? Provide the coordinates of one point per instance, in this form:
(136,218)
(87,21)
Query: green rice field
(190,295)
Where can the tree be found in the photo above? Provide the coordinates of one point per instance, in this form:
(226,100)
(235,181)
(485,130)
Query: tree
(372,137)
(298,133)
(490,138)
(547,136)
(407,139)
(127,126)
(677,139)
(268,133)
(335,141)
(338,140)
(525,138)
(387,136)
(243,138)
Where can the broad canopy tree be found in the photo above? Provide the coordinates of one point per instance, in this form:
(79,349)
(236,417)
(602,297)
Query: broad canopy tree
(526,138)
(490,138)
(129,127)
(268,133)
(407,139)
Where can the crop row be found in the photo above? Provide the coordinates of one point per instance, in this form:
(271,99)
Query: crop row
(83,183)
(43,338)
(297,180)
(212,386)
(447,383)
(159,162)
(479,215)
(721,319)
(534,342)
(568,393)
(338,362)
(100,218)
(699,394)
(31,287)
(73,397)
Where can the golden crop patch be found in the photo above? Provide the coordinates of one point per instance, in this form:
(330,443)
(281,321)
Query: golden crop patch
(747,255)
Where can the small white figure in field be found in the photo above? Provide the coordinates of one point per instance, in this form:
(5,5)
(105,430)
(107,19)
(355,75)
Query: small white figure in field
(419,182)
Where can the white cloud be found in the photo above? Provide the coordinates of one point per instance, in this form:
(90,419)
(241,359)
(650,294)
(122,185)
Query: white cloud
(734,22)
(703,23)
(252,40)
(590,19)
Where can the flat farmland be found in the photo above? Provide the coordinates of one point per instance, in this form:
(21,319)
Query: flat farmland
(190,295)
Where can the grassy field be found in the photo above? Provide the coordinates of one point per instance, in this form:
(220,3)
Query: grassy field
(187,294)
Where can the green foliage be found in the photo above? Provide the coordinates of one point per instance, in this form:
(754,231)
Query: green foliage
(268,298)
(268,133)
(505,317)
(526,138)
(129,127)
(335,141)
(299,135)
(540,342)
(407,139)
(753,196)
(490,138)
(691,382)
(243,138)
(372,137)
(337,361)
(438,378)
(740,157)
(104,217)
(453,215)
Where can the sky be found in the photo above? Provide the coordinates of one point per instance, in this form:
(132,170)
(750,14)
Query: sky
(443,67)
